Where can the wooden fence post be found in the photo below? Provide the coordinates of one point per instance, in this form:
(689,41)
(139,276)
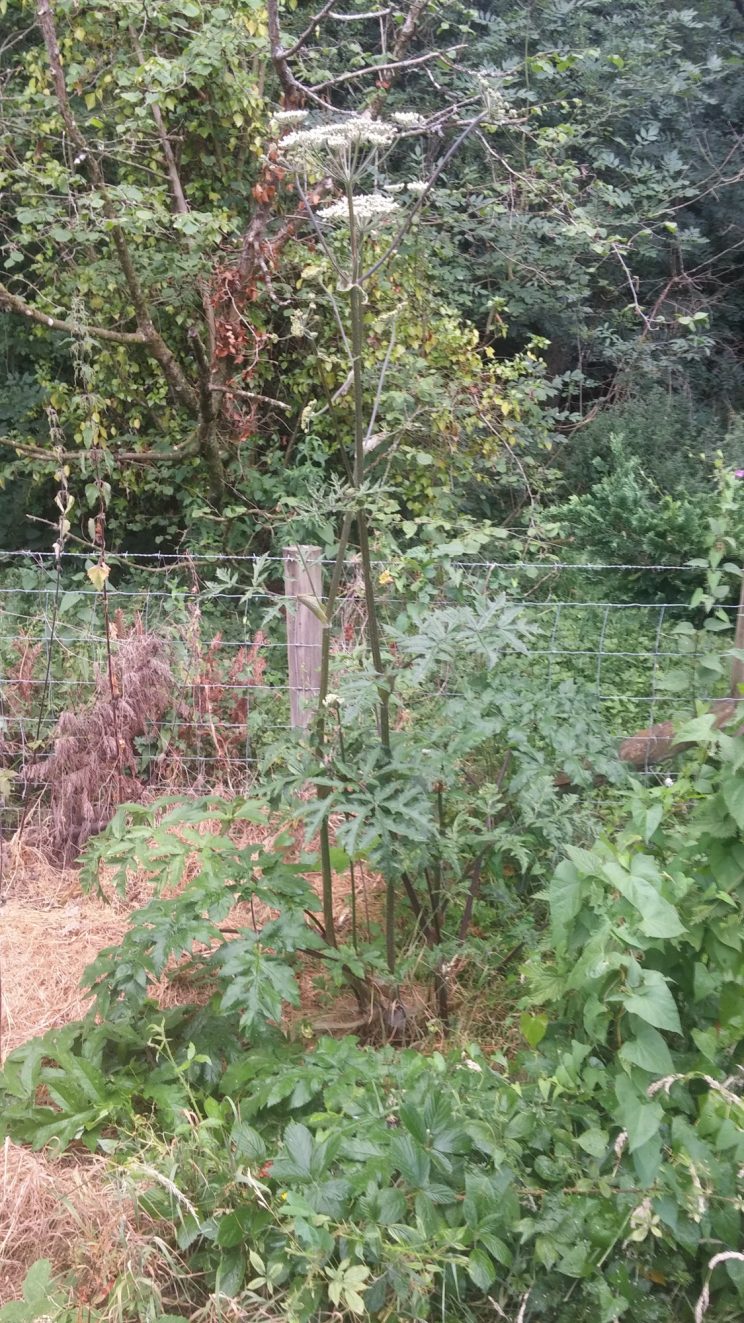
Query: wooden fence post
(303,577)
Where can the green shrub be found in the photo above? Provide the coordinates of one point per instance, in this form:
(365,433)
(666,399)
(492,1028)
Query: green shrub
(594,1176)
(674,441)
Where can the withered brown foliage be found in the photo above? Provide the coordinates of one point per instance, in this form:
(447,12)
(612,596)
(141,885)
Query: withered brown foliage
(92,767)
(20,680)
(19,693)
(214,709)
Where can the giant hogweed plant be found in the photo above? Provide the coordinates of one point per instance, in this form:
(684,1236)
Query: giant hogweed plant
(391,790)
(431,751)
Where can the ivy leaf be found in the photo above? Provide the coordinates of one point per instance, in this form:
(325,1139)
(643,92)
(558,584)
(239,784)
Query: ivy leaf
(565,898)
(653,817)
(594,1142)
(647,1160)
(533,1027)
(640,888)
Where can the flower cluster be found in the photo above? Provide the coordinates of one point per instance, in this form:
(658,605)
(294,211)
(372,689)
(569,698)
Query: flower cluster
(288,119)
(494,100)
(408,119)
(368,208)
(306,147)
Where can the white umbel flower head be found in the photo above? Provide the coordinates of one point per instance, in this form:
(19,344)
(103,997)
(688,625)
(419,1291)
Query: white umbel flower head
(309,147)
(289,119)
(408,119)
(369,209)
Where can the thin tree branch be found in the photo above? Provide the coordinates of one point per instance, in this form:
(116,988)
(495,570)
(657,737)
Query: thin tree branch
(632,287)
(404,37)
(300,42)
(413,213)
(389,66)
(250,395)
(359,18)
(122,456)
(179,198)
(380,386)
(14,303)
(292,89)
(181,207)
(476,878)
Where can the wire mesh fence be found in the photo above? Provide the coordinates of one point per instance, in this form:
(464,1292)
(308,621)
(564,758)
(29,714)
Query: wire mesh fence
(184,657)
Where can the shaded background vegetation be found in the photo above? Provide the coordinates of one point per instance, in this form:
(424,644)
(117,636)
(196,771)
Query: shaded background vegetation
(569,304)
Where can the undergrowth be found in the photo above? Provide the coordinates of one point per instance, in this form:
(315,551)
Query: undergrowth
(591,1175)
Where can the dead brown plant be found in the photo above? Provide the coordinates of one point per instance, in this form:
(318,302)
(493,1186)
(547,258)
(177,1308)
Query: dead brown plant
(215,707)
(92,767)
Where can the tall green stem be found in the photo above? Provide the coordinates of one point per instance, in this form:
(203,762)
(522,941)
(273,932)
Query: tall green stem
(373,630)
(325,671)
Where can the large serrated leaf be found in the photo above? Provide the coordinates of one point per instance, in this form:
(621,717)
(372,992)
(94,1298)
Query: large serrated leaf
(298,1142)
(732,788)
(654,1003)
(648,1050)
(480,1269)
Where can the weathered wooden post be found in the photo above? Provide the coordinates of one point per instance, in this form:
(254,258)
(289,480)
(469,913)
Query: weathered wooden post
(303,577)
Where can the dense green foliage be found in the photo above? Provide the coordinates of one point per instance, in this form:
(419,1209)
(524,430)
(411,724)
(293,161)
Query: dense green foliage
(595,1171)
(594,203)
(427,284)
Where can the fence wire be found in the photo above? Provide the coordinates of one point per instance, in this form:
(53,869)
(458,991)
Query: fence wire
(623,633)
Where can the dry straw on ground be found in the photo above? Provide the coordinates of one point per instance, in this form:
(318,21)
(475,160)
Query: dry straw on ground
(43,953)
(66,1210)
(58,1209)
(69,1210)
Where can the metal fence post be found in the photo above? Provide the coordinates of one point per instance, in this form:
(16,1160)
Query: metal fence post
(303,577)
